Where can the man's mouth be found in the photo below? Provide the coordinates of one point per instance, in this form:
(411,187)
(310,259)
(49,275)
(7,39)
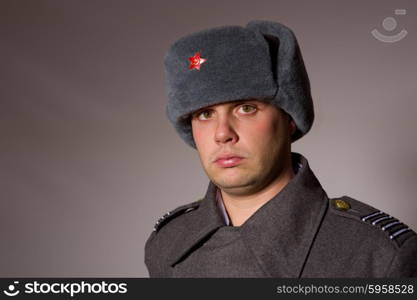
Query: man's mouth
(228,161)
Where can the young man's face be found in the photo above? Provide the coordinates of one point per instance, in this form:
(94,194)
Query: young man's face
(243,145)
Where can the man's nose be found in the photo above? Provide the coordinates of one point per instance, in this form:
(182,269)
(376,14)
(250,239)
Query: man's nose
(225,130)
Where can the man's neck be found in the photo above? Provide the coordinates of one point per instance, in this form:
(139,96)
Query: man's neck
(241,207)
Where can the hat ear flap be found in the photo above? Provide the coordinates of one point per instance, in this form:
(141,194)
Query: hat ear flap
(290,75)
(273,43)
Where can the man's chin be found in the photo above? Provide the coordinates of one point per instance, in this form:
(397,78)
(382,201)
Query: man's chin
(237,186)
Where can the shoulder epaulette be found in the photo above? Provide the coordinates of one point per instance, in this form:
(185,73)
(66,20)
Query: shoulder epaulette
(394,229)
(175,213)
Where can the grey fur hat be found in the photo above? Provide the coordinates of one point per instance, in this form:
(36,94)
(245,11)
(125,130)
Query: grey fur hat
(260,61)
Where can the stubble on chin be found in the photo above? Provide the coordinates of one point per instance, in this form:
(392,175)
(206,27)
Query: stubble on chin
(241,184)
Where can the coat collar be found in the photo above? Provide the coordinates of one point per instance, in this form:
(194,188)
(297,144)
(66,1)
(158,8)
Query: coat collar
(279,234)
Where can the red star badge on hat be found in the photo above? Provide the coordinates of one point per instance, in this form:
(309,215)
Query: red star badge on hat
(196,61)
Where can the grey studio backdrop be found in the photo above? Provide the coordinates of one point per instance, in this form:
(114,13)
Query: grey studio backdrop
(89,161)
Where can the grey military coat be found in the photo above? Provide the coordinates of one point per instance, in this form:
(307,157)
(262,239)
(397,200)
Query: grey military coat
(298,233)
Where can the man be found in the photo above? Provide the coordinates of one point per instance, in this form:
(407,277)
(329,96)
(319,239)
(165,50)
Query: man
(241,96)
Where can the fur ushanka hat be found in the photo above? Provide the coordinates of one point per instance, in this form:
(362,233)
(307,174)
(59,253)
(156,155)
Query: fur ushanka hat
(260,61)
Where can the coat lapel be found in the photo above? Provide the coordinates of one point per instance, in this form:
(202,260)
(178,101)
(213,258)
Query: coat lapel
(197,226)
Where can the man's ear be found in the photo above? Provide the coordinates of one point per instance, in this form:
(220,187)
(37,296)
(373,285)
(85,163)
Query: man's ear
(292,127)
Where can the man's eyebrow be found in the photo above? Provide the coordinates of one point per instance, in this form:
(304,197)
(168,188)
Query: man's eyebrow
(253,102)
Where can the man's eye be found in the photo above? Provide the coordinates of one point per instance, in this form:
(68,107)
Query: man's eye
(204,115)
(246,108)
